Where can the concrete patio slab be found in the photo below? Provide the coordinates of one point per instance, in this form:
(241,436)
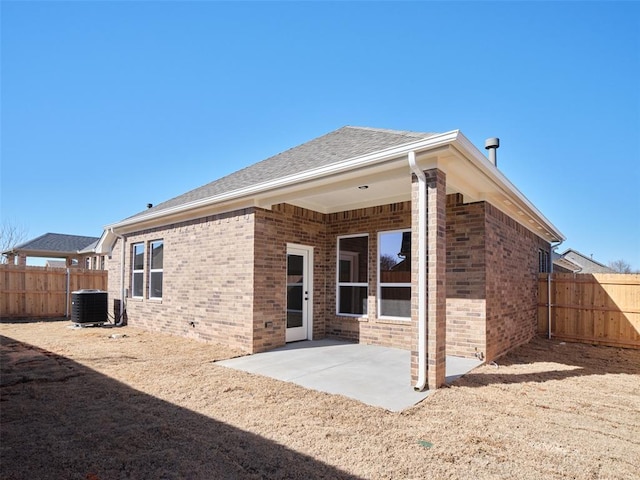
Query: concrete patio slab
(377,376)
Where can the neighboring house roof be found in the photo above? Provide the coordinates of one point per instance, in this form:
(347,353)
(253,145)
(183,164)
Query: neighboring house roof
(585,263)
(53,245)
(56,263)
(324,175)
(561,263)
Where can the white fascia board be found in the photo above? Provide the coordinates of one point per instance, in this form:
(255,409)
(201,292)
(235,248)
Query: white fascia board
(47,253)
(106,242)
(434,141)
(470,151)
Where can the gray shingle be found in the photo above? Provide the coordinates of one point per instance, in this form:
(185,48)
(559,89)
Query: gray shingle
(57,242)
(337,146)
(587,264)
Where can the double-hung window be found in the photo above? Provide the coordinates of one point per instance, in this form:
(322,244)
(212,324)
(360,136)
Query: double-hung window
(353,275)
(155,269)
(137,278)
(543,261)
(394,274)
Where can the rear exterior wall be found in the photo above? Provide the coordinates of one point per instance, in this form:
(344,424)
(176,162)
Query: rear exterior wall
(512,282)
(207,280)
(274,229)
(466,277)
(224,277)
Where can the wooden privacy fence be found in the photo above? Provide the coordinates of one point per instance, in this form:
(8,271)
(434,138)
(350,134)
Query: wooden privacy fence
(599,308)
(39,292)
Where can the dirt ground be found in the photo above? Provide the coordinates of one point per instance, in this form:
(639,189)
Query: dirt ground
(100,404)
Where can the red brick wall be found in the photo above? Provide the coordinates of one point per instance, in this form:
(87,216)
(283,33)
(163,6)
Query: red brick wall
(225,277)
(274,229)
(466,272)
(492,266)
(512,282)
(436,277)
(207,280)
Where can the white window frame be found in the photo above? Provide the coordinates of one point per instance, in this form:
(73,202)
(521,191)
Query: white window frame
(155,270)
(134,271)
(380,284)
(352,256)
(543,261)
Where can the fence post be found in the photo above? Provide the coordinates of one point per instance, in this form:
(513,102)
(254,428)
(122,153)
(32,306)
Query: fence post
(549,305)
(68,287)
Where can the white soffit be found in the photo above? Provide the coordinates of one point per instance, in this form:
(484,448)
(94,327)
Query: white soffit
(494,187)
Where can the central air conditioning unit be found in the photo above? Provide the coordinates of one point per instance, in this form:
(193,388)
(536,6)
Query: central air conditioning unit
(89,307)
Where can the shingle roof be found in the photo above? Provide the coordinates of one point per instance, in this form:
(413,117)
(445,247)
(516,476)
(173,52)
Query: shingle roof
(56,242)
(566,264)
(56,263)
(587,264)
(334,147)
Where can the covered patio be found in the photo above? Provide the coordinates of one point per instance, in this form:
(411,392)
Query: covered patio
(374,375)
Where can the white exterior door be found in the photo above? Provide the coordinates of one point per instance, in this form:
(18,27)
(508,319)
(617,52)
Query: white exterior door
(299,292)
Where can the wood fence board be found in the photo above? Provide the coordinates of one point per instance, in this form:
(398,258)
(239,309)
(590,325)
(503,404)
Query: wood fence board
(42,292)
(592,308)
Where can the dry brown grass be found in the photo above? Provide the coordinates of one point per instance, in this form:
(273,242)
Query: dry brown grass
(77,404)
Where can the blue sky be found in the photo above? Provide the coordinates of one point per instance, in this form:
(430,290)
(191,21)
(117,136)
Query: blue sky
(108,106)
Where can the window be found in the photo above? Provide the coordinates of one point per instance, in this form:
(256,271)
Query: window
(155,270)
(543,261)
(394,267)
(138,270)
(353,274)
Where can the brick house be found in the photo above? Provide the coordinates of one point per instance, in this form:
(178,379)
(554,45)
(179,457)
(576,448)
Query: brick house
(572,261)
(394,238)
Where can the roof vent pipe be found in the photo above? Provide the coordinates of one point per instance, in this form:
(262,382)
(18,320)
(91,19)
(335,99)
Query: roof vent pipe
(492,145)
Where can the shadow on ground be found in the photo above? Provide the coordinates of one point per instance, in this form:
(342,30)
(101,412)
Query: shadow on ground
(61,419)
(9,320)
(545,360)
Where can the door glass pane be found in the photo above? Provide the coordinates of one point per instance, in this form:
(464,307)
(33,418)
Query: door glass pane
(294,268)
(294,290)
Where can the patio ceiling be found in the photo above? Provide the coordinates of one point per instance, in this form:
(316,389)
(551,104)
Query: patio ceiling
(390,181)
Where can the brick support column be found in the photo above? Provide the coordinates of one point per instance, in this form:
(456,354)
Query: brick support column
(436,277)
(435,258)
